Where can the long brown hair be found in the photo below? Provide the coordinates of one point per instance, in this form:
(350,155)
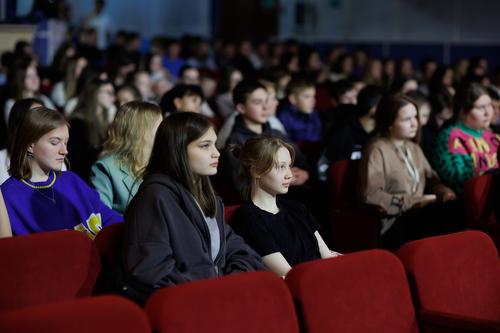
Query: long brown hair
(170,157)
(36,123)
(257,158)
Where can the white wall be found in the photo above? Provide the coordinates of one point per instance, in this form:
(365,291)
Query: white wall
(460,21)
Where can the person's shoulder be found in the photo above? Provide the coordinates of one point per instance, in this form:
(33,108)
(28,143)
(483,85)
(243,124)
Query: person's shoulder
(10,184)
(109,162)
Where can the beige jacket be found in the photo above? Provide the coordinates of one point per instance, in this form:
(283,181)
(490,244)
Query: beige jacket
(386,181)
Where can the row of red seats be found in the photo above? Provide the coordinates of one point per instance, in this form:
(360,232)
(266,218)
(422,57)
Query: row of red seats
(46,280)
(356,226)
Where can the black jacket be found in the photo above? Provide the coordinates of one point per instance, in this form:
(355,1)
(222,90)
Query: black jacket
(166,240)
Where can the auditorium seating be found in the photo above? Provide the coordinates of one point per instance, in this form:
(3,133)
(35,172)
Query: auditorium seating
(244,303)
(360,292)
(479,204)
(101,314)
(228,211)
(46,267)
(109,244)
(355,225)
(456,280)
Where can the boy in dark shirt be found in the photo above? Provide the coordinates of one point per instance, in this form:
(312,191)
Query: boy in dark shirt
(298,114)
(250,97)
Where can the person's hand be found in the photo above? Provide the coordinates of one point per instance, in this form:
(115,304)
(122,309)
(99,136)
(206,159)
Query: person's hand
(425,200)
(335,254)
(300,176)
(446,195)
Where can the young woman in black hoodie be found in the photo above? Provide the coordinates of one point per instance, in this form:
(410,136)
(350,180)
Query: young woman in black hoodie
(174,226)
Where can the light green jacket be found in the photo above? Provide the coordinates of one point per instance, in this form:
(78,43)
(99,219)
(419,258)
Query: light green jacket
(115,183)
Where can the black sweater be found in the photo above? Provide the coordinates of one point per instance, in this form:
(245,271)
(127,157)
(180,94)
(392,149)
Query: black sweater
(167,241)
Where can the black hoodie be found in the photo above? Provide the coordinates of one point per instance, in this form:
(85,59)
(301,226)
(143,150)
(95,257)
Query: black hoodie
(167,241)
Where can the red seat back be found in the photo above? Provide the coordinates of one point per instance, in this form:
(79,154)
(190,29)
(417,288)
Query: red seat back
(245,303)
(46,267)
(457,274)
(361,292)
(109,244)
(94,314)
(229,210)
(476,192)
(342,179)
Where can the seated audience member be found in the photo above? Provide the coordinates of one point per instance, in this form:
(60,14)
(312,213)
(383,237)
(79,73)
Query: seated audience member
(441,112)
(346,141)
(174,227)
(19,109)
(89,124)
(467,148)
(495,102)
(283,232)
(117,174)
(343,97)
(297,113)
(127,93)
(66,88)
(5,228)
(395,174)
(250,98)
(225,105)
(182,97)
(38,196)
(24,83)
(271,106)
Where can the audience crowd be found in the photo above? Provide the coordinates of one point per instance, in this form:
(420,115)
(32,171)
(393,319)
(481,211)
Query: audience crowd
(160,139)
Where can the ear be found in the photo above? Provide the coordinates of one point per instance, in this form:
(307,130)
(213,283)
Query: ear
(240,108)
(292,99)
(30,148)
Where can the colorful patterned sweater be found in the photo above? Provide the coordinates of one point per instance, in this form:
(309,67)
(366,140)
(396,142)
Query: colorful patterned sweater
(462,152)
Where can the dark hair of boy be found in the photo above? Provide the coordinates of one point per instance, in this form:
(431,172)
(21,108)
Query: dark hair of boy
(179,91)
(244,89)
(296,86)
(339,88)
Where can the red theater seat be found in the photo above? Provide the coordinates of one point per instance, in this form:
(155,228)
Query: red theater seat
(479,204)
(109,245)
(360,292)
(93,314)
(244,303)
(228,211)
(355,225)
(46,267)
(456,281)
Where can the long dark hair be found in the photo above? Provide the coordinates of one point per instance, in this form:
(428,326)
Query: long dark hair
(169,156)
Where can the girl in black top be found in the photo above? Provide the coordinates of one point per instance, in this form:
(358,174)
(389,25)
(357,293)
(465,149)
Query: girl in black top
(174,227)
(283,232)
